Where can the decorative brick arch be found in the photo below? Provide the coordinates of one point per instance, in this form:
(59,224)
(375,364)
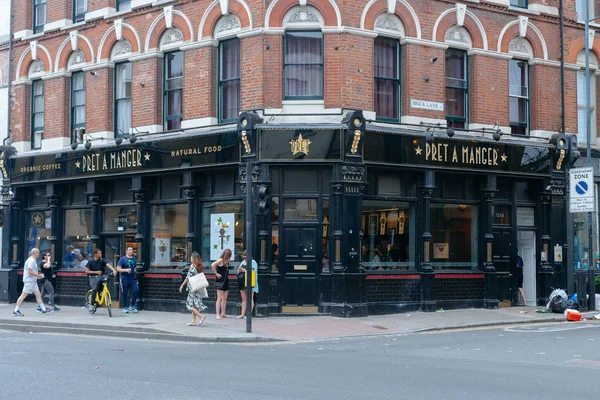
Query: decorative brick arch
(212,14)
(159,26)
(25,60)
(402,10)
(110,39)
(277,10)
(534,36)
(578,46)
(65,50)
(471,24)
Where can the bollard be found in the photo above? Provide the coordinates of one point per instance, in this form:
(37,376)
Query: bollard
(582,298)
(591,289)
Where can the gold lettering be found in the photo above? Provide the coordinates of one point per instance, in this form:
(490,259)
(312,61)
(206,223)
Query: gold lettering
(495,157)
(454,156)
(465,155)
(472,157)
(484,156)
(427,151)
(139,158)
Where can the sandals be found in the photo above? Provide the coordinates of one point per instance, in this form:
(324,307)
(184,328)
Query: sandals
(201,321)
(190,324)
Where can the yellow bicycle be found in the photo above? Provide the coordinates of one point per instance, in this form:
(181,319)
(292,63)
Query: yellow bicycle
(102,298)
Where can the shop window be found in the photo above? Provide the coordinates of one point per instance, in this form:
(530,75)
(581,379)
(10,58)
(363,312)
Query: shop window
(38,234)
(79,10)
(77,244)
(173,91)
(454,231)
(78,195)
(300,209)
(388,235)
(518,71)
(581,240)
(525,191)
(453,187)
(300,181)
(303,65)
(39,15)
(37,114)
(120,219)
(229,79)
(224,184)
(504,188)
(123,76)
(77,105)
(457,85)
(222,228)
(123,5)
(390,184)
(326,261)
(526,216)
(120,190)
(275,234)
(170,187)
(38,197)
(169,227)
(387,78)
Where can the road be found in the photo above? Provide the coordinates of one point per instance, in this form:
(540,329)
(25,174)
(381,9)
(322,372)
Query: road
(551,361)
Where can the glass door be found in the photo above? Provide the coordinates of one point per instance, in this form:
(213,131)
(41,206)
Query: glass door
(114,248)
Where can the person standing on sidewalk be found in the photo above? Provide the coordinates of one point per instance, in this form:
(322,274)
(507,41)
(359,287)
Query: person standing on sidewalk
(30,285)
(47,286)
(520,277)
(242,286)
(221,269)
(94,270)
(126,267)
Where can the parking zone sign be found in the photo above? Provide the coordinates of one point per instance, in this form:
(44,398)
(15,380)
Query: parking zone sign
(581,184)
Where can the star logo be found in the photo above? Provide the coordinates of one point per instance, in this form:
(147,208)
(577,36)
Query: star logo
(77,164)
(37,219)
(300,145)
(147,156)
(418,150)
(504,157)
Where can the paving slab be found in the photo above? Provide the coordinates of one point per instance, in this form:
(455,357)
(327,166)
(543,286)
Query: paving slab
(172,326)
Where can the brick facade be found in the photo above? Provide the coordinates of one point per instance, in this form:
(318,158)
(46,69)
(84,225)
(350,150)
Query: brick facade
(348,55)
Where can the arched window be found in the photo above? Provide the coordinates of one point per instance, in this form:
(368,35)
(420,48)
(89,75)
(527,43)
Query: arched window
(388,67)
(229,73)
(518,72)
(173,79)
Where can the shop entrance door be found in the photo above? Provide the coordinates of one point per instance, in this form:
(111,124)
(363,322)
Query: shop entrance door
(114,249)
(502,263)
(298,257)
(526,243)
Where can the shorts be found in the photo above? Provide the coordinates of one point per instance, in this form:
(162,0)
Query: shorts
(520,281)
(30,287)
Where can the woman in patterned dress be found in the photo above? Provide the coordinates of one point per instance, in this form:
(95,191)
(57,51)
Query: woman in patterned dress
(194,302)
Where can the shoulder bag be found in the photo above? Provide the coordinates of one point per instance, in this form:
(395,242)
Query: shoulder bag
(198,282)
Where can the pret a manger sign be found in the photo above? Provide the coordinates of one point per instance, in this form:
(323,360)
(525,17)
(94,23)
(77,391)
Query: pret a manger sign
(464,154)
(122,159)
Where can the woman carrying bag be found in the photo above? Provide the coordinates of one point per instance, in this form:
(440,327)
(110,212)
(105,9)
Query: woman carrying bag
(194,302)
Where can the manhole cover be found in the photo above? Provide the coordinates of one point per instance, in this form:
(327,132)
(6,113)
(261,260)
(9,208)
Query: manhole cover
(379,327)
(142,323)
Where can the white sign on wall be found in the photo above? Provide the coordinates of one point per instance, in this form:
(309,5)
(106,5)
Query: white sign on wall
(427,105)
(162,250)
(581,185)
(222,234)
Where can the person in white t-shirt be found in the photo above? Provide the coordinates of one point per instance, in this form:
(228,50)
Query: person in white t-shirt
(30,285)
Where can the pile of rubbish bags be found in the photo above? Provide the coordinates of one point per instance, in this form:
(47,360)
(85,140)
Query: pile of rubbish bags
(558,301)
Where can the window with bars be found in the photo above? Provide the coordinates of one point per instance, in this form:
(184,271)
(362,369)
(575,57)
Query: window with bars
(387,78)
(173,90)
(77,103)
(303,66)
(518,71)
(37,114)
(229,79)
(79,10)
(122,99)
(457,88)
(123,5)
(39,15)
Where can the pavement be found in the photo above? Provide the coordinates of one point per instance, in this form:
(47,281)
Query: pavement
(153,325)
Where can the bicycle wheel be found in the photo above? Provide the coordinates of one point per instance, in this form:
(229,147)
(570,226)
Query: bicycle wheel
(108,304)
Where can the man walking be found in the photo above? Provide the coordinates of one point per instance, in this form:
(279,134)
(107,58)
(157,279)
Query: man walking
(94,270)
(30,277)
(126,267)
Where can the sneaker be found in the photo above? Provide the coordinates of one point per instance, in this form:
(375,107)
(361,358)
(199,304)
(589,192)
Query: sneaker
(55,308)
(38,309)
(133,309)
(46,311)
(125,310)
(18,313)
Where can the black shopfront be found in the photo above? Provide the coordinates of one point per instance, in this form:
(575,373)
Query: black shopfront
(364,218)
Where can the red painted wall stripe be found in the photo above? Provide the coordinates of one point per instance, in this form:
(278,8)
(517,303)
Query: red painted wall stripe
(70,274)
(162,276)
(395,276)
(459,276)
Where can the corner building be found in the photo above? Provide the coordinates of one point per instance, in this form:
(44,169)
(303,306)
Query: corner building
(407,145)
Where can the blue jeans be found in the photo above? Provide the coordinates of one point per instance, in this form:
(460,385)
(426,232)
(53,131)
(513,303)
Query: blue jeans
(127,284)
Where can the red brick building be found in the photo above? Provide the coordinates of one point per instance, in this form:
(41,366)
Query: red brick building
(90,72)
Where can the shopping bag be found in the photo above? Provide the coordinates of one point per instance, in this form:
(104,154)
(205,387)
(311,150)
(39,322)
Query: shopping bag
(198,282)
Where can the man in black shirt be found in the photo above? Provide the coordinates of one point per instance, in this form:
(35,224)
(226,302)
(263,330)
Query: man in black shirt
(95,268)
